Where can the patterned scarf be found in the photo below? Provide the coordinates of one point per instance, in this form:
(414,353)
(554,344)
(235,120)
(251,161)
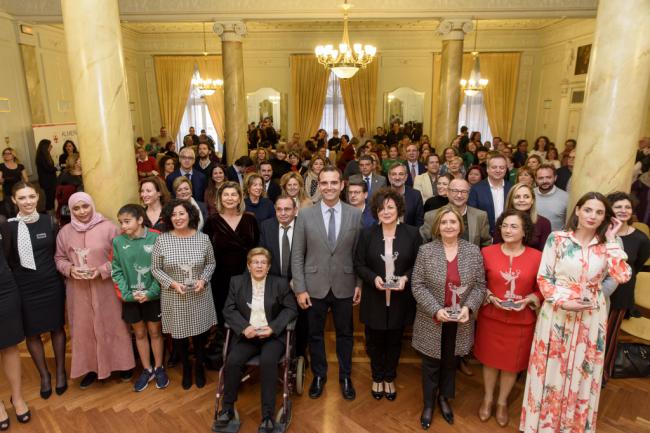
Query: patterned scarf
(25,251)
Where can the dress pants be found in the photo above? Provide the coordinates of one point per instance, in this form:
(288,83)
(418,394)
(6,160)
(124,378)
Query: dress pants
(384,347)
(342,314)
(270,351)
(440,374)
(302,333)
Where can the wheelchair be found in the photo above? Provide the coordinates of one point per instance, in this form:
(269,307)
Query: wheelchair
(292,379)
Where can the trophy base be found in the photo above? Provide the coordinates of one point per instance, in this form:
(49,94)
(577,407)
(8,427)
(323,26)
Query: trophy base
(509,304)
(391,286)
(189,287)
(585,301)
(453,315)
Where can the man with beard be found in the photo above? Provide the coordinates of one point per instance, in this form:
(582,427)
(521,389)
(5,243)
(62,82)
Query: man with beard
(551,201)
(206,160)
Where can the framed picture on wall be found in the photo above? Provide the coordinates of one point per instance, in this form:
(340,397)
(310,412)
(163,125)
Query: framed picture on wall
(582,59)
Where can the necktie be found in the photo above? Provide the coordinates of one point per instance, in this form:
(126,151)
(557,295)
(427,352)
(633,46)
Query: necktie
(286,251)
(368,184)
(331,230)
(189,176)
(413,172)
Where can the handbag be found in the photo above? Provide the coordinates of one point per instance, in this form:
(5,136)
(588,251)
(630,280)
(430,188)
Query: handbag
(632,360)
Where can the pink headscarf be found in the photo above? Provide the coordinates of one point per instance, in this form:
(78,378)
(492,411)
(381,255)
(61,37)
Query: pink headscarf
(94,220)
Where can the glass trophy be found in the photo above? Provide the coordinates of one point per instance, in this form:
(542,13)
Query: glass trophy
(586,297)
(392,281)
(511,298)
(454,310)
(138,289)
(188,280)
(82,257)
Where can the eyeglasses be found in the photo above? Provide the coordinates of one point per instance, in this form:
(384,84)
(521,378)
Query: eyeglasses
(187,157)
(459,191)
(259,262)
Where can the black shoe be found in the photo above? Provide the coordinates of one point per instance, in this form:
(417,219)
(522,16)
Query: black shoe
(347,390)
(60,390)
(377,395)
(23,418)
(426,417)
(187,376)
(173,359)
(46,392)
(392,395)
(445,409)
(316,387)
(88,380)
(224,418)
(126,375)
(266,426)
(199,374)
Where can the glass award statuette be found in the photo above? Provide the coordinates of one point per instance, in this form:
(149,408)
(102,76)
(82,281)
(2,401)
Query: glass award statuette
(511,298)
(82,257)
(189,282)
(391,281)
(454,310)
(138,288)
(586,297)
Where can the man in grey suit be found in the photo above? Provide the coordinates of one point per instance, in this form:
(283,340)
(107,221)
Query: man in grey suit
(477,228)
(324,245)
(373,180)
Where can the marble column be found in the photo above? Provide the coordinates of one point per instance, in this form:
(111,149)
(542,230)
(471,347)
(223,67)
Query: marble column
(231,34)
(453,33)
(94,41)
(617,88)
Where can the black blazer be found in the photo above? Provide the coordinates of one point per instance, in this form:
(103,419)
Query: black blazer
(274,191)
(199,182)
(270,239)
(414,214)
(279,303)
(231,174)
(368,264)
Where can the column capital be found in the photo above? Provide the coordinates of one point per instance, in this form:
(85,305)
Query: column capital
(230,31)
(454,29)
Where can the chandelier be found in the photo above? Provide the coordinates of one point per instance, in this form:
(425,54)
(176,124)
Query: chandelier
(206,87)
(348,59)
(475,83)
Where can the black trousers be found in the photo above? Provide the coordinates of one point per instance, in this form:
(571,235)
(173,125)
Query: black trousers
(181,347)
(243,349)
(384,347)
(342,315)
(302,333)
(439,375)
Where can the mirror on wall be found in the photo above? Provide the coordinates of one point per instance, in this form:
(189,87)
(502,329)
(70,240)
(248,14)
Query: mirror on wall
(404,105)
(265,102)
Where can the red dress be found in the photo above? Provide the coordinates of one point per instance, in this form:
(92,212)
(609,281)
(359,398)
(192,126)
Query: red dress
(503,338)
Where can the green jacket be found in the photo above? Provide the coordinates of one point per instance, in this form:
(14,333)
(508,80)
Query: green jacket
(130,256)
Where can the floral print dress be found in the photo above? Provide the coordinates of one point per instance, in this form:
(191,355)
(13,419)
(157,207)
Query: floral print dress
(567,354)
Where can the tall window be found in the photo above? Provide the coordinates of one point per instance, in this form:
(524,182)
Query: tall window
(473,115)
(197,115)
(334,112)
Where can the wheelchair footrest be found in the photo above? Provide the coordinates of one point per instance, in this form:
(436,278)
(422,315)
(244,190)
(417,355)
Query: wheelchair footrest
(232,427)
(280,427)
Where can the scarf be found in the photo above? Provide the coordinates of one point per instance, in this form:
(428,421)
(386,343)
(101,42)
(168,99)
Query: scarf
(25,250)
(94,220)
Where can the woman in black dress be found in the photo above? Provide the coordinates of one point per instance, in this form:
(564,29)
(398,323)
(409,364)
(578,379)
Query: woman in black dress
(11,172)
(384,324)
(233,233)
(31,241)
(68,149)
(11,323)
(46,171)
(154,195)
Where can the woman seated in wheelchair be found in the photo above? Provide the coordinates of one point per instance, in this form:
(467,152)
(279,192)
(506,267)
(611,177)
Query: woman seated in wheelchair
(258,309)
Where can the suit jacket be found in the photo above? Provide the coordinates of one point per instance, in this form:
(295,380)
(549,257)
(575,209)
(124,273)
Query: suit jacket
(274,191)
(480,197)
(270,239)
(563,177)
(198,181)
(414,214)
(421,169)
(317,268)
(422,183)
(428,287)
(279,303)
(231,174)
(376,181)
(368,264)
(477,226)
(367,220)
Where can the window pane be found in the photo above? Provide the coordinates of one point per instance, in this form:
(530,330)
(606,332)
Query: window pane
(197,115)
(473,115)
(334,111)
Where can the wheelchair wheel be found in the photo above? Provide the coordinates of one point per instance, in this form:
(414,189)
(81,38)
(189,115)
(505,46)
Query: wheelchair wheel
(300,375)
(283,417)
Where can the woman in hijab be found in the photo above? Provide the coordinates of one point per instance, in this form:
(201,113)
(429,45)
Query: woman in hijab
(101,342)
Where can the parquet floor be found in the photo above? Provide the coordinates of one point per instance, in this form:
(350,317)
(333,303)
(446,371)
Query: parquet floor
(112,407)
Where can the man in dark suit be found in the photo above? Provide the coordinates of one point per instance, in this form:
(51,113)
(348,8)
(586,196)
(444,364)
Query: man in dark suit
(413,166)
(206,160)
(324,244)
(564,173)
(372,180)
(236,171)
(490,194)
(187,158)
(273,190)
(414,214)
(357,196)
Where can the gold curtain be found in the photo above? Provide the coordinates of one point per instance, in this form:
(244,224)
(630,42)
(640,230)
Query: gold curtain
(308,89)
(360,96)
(173,79)
(502,71)
(212,68)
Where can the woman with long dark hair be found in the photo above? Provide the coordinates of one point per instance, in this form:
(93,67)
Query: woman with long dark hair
(46,171)
(69,148)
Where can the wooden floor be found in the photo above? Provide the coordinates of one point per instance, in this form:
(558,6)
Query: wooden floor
(112,406)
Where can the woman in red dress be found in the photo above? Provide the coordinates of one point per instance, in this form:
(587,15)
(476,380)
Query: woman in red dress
(504,333)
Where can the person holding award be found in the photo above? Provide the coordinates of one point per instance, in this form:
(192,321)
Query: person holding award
(101,342)
(506,322)
(182,261)
(384,260)
(568,350)
(448,285)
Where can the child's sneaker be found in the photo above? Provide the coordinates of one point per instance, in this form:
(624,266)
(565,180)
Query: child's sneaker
(161,378)
(143,381)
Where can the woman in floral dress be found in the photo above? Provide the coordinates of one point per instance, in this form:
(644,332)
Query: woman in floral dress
(566,360)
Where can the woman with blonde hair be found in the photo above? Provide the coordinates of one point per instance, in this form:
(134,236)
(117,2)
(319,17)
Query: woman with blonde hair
(525,175)
(256,201)
(316,165)
(293,186)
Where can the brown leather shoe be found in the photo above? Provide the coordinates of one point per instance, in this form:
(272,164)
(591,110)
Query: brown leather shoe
(485,411)
(463,367)
(502,415)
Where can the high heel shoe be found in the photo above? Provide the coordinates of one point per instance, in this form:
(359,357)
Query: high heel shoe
(60,390)
(22,418)
(4,424)
(199,374)
(389,391)
(485,411)
(377,395)
(502,415)
(425,418)
(46,393)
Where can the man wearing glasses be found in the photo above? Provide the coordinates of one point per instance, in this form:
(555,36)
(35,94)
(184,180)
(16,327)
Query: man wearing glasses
(475,220)
(197,179)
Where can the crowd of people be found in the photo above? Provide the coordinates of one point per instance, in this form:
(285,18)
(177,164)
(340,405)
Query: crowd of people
(472,245)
